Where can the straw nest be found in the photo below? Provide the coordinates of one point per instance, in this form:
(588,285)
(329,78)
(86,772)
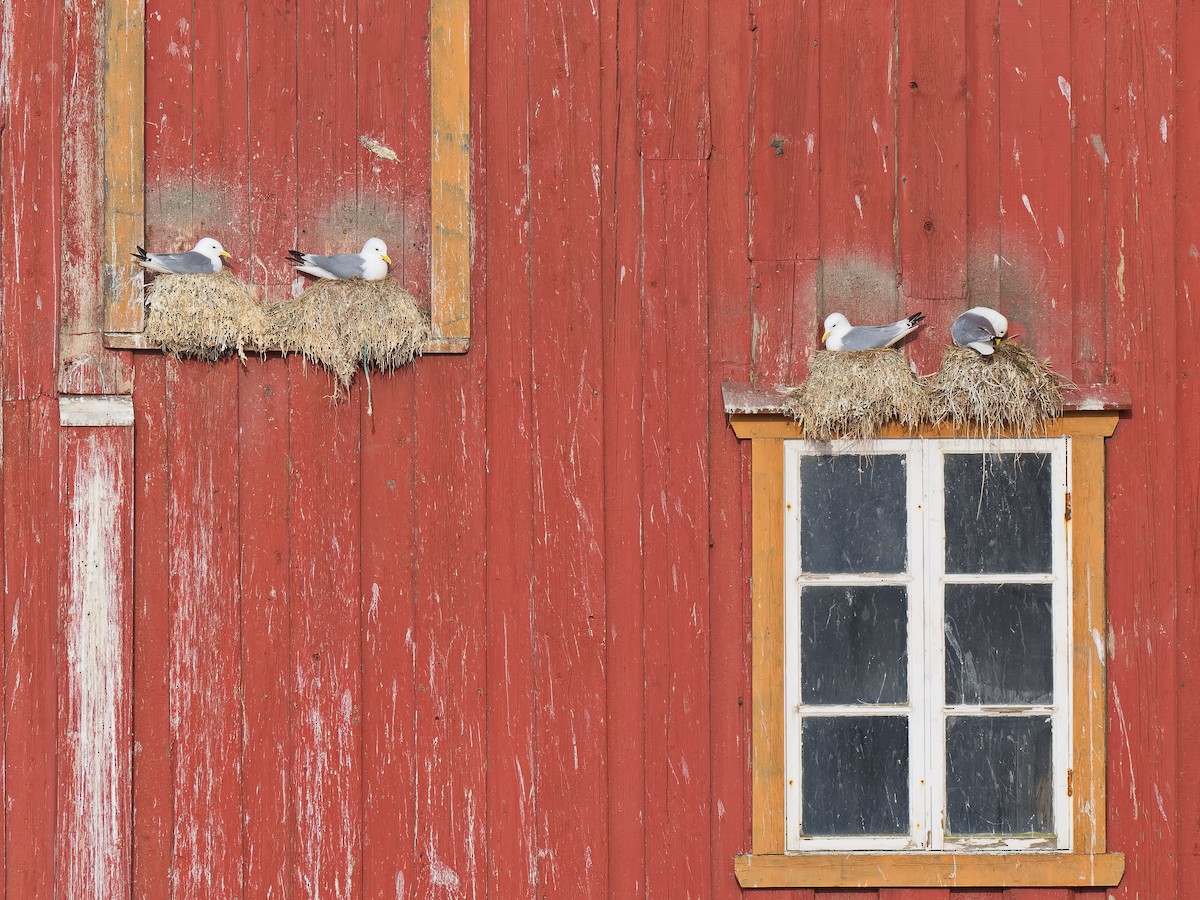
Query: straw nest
(854,394)
(342,325)
(1009,391)
(205,316)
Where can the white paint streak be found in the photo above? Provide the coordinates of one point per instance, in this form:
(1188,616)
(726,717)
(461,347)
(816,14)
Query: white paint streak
(97,687)
(1162,128)
(858,204)
(440,874)
(379,149)
(1064,87)
(95,410)
(1128,749)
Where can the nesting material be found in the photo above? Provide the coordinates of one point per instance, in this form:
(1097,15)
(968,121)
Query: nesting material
(205,316)
(343,325)
(1009,391)
(854,394)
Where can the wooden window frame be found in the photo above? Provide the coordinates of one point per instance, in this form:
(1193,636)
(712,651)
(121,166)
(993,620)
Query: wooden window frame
(1091,416)
(124,94)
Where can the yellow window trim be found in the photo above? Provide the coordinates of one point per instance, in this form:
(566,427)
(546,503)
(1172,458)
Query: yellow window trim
(1091,416)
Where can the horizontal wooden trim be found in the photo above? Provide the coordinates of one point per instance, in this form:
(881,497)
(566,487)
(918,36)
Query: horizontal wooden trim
(128,340)
(746,399)
(961,870)
(778,427)
(76,410)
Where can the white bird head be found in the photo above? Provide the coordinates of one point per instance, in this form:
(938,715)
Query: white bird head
(834,323)
(375,245)
(999,322)
(212,249)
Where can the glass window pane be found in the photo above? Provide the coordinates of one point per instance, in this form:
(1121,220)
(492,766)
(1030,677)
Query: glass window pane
(997,512)
(853,515)
(998,775)
(999,643)
(853,644)
(855,775)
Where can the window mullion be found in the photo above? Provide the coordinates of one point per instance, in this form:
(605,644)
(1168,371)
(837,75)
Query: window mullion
(935,665)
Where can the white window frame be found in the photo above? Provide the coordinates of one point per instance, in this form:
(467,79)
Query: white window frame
(925,579)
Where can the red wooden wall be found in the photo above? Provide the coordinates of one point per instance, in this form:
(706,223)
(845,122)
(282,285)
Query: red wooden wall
(483,632)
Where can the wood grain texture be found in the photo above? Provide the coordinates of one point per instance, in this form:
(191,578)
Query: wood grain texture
(32,506)
(96,688)
(786,325)
(84,365)
(672,60)
(784,113)
(124,160)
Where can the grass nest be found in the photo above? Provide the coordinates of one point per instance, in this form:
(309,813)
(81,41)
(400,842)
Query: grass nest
(342,325)
(205,316)
(1010,391)
(854,394)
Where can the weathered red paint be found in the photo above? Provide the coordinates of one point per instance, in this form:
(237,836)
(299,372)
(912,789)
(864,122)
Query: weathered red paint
(483,631)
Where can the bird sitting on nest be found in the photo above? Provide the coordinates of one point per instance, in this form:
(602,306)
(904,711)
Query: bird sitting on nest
(980,328)
(203,259)
(371,264)
(841,335)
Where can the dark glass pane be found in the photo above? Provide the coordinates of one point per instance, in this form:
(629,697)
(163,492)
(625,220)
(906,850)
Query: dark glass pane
(998,512)
(855,775)
(852,514)
(998,776)
(853,643)
(999,644)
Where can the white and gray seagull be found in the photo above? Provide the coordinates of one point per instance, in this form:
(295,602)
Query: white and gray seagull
(981,329)
(203,259)
(841,335)
(371,264)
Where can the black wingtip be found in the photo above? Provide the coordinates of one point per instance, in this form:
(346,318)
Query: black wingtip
(296,255)
(141,253)
(916,318)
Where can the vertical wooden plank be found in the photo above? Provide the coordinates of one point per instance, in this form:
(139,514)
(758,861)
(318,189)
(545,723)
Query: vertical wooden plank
(621,333)
(512,826)
(785,130)
(263,481)
(932,141)
(30,208)
(983,153)
(1089,207)
(325,451)
(1141,348)
(32,528)
(858,168)
(1035,167)
(95,704)
(205,651)
(786,326)
(676,528)
(1187,285)
(766,578)
(393,203)
(729,357)
(153,801)
(125,114)
(264,394)
(672,78)
(85,367)
(570,607)
(450,89)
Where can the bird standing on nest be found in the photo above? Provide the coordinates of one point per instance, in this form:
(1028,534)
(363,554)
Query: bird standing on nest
(981,329)
(371,264)
(841,335)
(203,259)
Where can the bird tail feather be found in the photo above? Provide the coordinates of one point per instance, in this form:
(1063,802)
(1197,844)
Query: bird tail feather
(141,254)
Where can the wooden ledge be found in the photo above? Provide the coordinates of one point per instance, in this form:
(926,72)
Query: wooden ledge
(745,399)
(932,869)
(134,340)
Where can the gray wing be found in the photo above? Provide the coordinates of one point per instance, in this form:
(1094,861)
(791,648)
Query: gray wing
(874,337)
(970,328)
(340,265)
(190,263)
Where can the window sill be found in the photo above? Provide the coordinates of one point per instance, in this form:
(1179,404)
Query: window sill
(961,870)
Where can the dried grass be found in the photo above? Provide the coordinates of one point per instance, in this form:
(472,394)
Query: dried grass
(854,394)
(342,325)
(1010,391)
(205,316)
